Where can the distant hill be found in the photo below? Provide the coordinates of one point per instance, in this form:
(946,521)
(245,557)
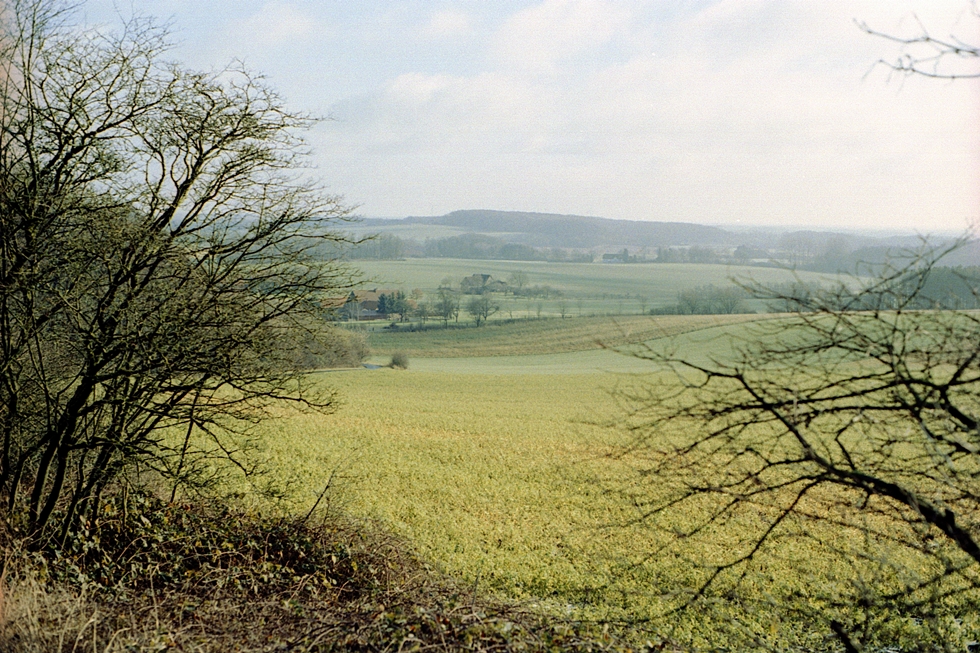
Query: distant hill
(575,231)
(522,235)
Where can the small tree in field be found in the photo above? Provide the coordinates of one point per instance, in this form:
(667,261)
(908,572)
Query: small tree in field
(158,263)
(563,308)
(423,312)
(481,308)
(447,305)
(517,280)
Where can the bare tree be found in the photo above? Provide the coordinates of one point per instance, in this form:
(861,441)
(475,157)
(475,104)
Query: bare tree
(481,308)
(158,257)
(851,424)
(447,305)
(517,280)
(948,57)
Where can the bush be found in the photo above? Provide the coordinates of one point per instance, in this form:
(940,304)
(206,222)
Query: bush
(706,300)
(331,347)
(399,360)
(132,302)
(148,575)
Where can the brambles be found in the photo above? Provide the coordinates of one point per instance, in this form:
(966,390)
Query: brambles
(148,575)
(328,347)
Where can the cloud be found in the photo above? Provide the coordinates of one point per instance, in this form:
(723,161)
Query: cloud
(273,24)
(540,37)
(447,24)
(749,110)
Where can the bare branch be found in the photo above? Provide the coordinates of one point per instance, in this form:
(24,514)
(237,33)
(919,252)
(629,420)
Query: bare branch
(928,56)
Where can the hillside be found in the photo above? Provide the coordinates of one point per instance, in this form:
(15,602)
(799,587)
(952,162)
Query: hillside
(527,236)
(542,336)
(573,231)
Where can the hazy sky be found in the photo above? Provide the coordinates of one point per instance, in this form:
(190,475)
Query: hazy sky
(709,111)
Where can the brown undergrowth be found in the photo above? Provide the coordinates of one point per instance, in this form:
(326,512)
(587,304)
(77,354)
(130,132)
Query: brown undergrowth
(152,576)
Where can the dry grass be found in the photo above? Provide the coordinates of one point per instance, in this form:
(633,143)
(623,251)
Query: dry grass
(190,578)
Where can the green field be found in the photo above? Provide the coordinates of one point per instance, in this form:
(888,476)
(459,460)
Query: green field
(495,455)
(497,468)
(544,336)
(498,477)
(587,288)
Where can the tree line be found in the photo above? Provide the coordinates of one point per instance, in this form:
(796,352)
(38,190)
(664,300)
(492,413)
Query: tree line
(465,246)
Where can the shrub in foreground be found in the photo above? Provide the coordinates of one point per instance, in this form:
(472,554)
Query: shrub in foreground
(146,575)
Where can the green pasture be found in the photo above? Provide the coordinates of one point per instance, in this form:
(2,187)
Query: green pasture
(499,479)
(617,350)
(577,362)
(505,482)
(503,471)
(544,336)
(587,288)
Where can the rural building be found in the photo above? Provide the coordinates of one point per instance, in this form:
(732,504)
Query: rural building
(363,304)
(618,257)
(496,285)
(475,284)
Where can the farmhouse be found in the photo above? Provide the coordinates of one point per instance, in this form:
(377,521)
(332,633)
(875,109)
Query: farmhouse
(475,284)
(496,285)
(619,257)
(363,304)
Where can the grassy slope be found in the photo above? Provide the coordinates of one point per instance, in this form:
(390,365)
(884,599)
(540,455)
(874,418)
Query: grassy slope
(545,336)
(485,474)
(658,284)
(496,468)
(503,481)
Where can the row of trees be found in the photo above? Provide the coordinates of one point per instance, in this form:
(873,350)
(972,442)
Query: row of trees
(467,246)
(707,300)
(937,287)
(802,250)
(447,304)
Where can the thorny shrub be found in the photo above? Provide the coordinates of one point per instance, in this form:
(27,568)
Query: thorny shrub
(151,575)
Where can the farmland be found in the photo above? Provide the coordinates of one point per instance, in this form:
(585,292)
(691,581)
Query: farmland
(585,288)
(542,336)
(235,415)
(498,477)
(496,461)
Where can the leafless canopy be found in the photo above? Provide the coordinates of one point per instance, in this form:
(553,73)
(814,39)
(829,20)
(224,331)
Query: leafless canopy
(923,54)
(850,423)
(158,251)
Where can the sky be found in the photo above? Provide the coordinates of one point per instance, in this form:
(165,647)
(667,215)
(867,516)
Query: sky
(725,112)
